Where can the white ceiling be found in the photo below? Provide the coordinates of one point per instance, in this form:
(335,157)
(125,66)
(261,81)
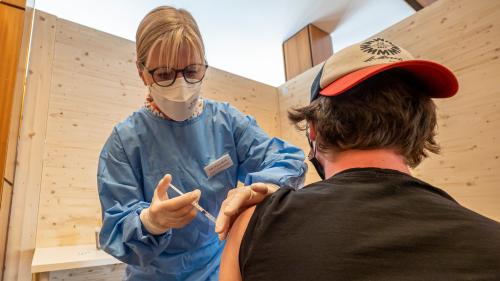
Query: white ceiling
(243,37)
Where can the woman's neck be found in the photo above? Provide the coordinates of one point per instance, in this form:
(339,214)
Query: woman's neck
(376,158)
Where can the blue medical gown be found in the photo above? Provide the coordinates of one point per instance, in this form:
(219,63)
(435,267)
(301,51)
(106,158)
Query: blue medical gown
(144,147)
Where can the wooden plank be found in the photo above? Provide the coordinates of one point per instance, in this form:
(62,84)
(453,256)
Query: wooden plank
(465,36)
(10,161)
(6,197)
(24,211)
(114,272)
(69,257)
(11,30)
(11,38)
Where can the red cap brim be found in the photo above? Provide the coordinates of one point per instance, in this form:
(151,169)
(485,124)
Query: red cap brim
(439,80)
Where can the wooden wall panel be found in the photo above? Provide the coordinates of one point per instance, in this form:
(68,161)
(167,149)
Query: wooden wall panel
(465,36)
(19,86)
(26,190)
(250,97)
(94,86)
(11,30)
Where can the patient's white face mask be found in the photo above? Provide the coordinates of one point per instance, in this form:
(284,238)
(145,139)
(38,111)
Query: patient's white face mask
(177,101)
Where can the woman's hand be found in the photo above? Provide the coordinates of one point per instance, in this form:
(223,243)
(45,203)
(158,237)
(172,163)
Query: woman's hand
(237,201)
(165,213)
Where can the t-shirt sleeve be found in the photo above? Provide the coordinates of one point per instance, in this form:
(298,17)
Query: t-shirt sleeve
(263,231)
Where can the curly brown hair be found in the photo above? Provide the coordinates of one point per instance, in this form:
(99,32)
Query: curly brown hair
(388,110)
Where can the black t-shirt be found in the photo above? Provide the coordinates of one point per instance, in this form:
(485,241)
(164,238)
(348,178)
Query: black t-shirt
(368,224)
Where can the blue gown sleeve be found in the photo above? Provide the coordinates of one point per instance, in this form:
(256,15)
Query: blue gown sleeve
(120,192)
(265,159)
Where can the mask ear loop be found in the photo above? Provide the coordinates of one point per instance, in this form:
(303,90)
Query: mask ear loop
(312,152)
(312,156)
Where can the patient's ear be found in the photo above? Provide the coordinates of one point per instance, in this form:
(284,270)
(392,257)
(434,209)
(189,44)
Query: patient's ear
(312,131)
(230,263)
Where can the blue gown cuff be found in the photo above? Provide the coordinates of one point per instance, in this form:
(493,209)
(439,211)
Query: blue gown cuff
(159,242)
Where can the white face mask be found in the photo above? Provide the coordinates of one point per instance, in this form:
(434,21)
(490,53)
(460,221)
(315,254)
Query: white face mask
(177,101)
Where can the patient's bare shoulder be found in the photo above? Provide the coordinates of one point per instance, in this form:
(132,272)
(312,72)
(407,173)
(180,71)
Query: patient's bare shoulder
(229,266)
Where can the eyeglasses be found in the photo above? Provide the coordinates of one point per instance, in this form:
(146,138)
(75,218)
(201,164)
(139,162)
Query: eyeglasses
(165,76)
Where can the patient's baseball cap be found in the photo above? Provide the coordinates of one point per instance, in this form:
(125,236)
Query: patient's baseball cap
(354,64)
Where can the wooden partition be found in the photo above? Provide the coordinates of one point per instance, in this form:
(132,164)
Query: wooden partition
(12,18)
(465,36)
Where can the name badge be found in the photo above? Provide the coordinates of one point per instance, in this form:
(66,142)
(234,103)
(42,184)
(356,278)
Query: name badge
(218,165)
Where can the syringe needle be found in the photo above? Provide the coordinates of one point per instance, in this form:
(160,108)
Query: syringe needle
(196,205)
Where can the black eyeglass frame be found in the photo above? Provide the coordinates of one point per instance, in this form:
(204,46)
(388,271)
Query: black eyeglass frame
(177,71)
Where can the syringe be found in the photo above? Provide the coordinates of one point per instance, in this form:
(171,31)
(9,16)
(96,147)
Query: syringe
(195,204)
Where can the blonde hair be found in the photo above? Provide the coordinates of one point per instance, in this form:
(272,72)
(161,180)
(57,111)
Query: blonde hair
(171,28)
